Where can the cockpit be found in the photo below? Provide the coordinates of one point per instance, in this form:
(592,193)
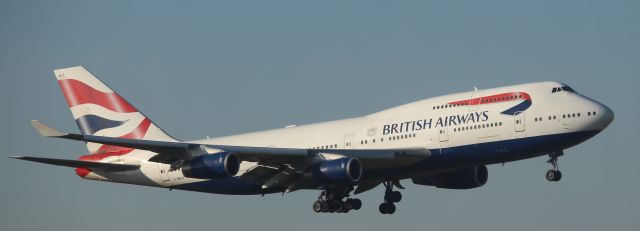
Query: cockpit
(559,89)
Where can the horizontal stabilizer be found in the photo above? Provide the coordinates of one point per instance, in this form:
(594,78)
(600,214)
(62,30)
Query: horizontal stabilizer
(80,163)
(47,131)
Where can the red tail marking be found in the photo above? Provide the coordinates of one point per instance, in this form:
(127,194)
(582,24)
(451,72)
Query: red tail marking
(78,93)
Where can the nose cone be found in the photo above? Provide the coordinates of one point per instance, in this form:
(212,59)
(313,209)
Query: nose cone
(606,116)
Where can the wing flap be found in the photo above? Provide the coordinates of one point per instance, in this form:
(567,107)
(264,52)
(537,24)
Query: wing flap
(79,163)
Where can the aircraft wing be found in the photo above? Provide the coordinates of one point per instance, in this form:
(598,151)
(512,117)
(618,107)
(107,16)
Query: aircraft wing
(275,166)
(80,163)
(169,152)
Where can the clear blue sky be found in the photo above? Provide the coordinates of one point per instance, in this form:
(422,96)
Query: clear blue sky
(209,69)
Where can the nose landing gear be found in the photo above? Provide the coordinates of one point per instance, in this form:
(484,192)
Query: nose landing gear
(554,174)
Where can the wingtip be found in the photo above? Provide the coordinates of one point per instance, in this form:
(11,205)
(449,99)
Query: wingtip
(45,130)
(16,157)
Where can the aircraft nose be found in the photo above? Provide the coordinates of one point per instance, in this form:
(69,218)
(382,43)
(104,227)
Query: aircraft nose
(606,116)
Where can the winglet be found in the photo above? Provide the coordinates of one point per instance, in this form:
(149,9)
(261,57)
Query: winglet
(45,130)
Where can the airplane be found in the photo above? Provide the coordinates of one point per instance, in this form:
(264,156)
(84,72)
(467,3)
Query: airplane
(444,142)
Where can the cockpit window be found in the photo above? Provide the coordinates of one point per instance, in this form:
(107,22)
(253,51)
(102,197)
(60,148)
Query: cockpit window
(559,89)
(568,89)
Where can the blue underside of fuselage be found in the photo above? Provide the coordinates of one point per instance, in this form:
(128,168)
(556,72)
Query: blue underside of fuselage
(441,159)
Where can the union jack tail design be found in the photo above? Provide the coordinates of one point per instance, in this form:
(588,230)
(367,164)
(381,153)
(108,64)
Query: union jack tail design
(100,111)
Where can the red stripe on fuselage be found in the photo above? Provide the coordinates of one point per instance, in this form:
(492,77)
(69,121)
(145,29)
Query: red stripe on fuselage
(78,93)
(505,97)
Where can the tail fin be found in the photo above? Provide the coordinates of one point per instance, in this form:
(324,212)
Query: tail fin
(100,111)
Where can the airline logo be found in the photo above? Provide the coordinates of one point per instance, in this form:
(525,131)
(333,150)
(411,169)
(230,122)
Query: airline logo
(103,113)
(100,111)
(501,98)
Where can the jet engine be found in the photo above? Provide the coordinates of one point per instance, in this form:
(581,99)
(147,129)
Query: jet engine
(465,178)
(212,166)
(338,171)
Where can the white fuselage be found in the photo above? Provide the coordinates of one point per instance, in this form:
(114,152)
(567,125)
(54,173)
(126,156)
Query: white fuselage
(508,118)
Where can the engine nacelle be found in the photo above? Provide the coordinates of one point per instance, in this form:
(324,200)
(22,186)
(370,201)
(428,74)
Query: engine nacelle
(212,166)
(465,178)
(338,171)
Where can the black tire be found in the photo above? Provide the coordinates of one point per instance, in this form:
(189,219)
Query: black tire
(354,204)
(324,207)
(558,176)
(391,208)
(335,206)
(551,175)
(396,196)
(345,208)
(317,206)
(383,208)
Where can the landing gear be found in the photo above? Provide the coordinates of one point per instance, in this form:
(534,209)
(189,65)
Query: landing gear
(390,197)
(331,201)
(387,208)
(554,174)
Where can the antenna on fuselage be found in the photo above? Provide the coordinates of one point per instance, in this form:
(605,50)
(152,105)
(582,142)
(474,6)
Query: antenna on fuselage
(475,88)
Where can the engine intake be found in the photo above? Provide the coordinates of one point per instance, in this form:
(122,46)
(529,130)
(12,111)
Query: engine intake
(338,171)
(466,178)
(212,166)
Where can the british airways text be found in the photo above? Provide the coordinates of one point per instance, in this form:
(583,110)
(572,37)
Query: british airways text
(444,121)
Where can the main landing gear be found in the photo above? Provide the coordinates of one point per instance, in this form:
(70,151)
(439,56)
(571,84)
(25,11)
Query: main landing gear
(390,197)
(331,201)
(554,174)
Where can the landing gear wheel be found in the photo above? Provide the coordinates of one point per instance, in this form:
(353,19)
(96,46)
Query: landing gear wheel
(387,208)
(392,208)
(390,197)
(553,175)
(335,206)
(396,196)
(354,204)
(344,208)
(335,200)
(317,206)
